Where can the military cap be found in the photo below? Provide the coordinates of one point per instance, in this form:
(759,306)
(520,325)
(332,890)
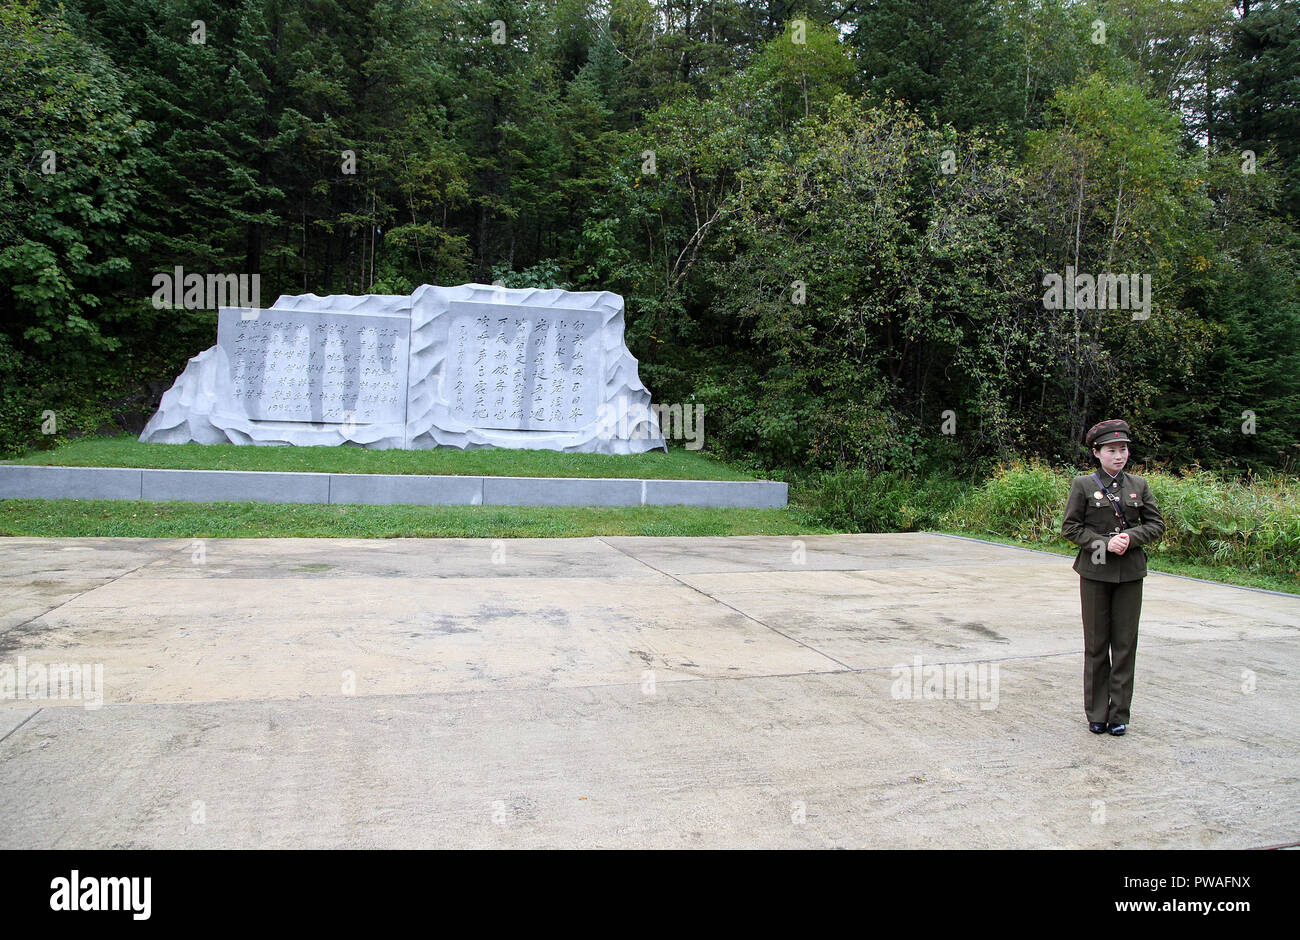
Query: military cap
(1107,432)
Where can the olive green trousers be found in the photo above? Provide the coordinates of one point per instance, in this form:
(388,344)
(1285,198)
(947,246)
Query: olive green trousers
(1110,634)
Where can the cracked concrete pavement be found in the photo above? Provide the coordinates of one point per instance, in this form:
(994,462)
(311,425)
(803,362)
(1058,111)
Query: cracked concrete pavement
(625,692)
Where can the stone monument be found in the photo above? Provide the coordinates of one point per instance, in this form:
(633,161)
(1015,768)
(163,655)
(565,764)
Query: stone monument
(469,366)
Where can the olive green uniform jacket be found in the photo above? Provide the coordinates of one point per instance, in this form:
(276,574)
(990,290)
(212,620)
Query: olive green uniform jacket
(1089,519)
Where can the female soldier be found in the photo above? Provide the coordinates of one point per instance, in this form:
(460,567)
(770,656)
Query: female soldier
(1110,515)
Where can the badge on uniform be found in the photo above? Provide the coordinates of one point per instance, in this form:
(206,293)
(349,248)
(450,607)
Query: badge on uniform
(1097,495)
(1132,495)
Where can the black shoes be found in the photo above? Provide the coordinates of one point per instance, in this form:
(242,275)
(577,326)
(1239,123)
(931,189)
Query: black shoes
(1116,730)
(1097,727)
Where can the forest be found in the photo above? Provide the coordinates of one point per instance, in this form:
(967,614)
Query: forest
(841,227)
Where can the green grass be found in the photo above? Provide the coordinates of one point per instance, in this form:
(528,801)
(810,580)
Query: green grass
(67,518)
(126,451)
(1156,562)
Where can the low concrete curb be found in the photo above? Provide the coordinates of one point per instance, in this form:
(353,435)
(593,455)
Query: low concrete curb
(206,486)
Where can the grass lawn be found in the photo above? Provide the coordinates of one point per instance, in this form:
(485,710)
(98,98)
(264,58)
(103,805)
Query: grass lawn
(65,518)
(138,519)
(127,451)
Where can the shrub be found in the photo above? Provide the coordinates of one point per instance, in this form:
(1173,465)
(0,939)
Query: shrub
(857,500)
(1021,501)
(1250,524)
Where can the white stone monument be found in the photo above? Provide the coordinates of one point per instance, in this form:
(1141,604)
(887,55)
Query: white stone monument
(468,366)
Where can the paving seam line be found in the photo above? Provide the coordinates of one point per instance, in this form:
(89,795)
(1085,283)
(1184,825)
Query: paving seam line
(145,564)
(862,670)
(725,604)
(21,723)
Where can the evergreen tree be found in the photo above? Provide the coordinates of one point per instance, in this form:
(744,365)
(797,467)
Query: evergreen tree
(949,59)
(1262,111)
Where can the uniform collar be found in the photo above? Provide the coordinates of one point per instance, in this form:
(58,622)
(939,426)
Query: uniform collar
(1108,480)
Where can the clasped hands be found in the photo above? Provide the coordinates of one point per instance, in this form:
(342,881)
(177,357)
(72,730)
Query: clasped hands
(1118,543)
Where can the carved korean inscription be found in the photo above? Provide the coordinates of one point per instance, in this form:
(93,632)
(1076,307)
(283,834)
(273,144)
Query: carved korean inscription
(524,368)
(296,365)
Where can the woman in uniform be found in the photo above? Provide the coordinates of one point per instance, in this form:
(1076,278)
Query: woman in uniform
(1110,515)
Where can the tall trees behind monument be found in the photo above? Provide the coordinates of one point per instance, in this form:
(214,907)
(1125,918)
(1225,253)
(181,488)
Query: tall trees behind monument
(1261,113)
(71,223)
(907,169)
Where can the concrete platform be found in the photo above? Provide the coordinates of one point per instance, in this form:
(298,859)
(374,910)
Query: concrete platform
(627,692)
(205,486)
